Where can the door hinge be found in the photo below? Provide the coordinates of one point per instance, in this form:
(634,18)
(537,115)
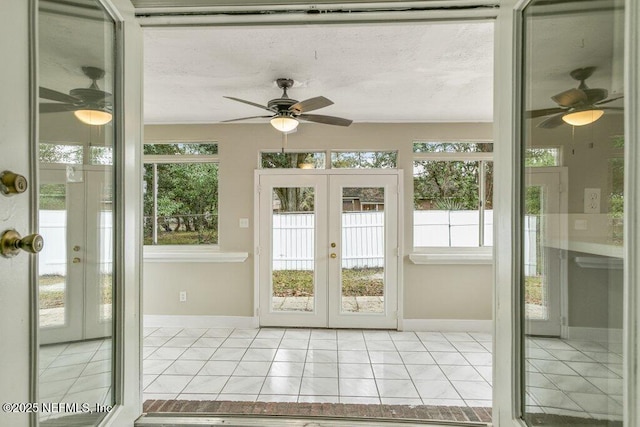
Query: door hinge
(258,311)
(560,188)
(257,250)
(563,321)
(397,251)
(259,189)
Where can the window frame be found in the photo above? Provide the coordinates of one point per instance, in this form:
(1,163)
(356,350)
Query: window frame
(480,254)
(193,252)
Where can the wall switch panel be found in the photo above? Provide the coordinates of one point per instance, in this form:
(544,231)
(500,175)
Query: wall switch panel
(183,296)
(244,222)
(591,200)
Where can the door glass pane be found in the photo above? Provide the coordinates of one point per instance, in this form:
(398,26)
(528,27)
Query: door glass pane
(77,105)
(293,250)
(573,119)
(535,290)
(52,261)
(106,250)
(362,250)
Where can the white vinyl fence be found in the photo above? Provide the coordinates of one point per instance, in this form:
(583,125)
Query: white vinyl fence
(293,238)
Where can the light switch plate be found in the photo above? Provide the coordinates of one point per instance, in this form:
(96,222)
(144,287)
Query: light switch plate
(244,222)
(591,200)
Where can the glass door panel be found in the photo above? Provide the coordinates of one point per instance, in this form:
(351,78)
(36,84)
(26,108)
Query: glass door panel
(293,249)
(362,254)
(52,261)
(573,87)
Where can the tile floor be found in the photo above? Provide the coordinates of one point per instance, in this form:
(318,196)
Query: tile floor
(564,377)
(76,372)
(305,365)
(574,378)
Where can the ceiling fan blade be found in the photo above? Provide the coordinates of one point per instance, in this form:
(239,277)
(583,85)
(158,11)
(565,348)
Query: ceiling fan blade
(595,95)
(327,120)
(310,104)
(544,112)
(54,95)
(246,118)
(570,97)
(56,108)
(610,108)
(244,101)
(606,101)
(552,122)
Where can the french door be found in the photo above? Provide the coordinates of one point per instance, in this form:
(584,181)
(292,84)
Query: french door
(75,267)
(328,250)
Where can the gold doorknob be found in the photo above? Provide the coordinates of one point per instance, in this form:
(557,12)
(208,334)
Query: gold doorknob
(11,242)
(76,248)
(76,260)
(333,255)
(333,245)
(12,183)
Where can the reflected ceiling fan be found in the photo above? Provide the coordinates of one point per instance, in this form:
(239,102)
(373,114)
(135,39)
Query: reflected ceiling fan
(285,112)
(90,105)
(577,107)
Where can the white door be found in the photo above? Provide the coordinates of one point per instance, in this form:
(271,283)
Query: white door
(328,250)
(544,230)
(75,267)
(15,213)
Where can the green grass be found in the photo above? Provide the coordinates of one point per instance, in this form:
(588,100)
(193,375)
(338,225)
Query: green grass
(56,298)
(355,282)
(184,238)
(533,290)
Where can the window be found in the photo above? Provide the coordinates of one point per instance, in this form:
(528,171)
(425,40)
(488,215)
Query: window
(180,194)
(453,194)
(364,159)
(542,157)
(288,160)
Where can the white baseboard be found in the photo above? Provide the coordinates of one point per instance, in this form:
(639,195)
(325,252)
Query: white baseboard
(603,335)
(174,321)
(447,325)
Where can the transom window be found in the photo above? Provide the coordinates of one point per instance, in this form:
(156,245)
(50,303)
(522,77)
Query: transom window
(180,193)
(452,194)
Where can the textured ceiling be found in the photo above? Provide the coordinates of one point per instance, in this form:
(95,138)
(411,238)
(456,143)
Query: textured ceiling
(401,72)
(373,73)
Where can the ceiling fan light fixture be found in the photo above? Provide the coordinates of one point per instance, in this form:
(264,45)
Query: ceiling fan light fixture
(284,123)
(583,117)
(93,117)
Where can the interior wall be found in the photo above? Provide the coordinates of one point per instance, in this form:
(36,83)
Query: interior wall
(430,291)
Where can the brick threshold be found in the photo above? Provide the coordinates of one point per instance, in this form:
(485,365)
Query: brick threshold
(382,412)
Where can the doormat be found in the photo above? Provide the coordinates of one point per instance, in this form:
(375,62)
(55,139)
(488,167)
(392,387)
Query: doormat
(405,412)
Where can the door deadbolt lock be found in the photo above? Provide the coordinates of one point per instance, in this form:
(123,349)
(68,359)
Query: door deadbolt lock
(76,248)
(11,242)
(333,245)
(12,183)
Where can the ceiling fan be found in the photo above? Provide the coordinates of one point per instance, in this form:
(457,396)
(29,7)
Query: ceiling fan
(285,112)
(90,105)
(577,107)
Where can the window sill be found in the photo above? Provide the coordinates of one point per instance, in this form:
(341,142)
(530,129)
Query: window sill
(452,256)
(173,253)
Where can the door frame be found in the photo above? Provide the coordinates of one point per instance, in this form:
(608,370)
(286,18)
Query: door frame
(328,172)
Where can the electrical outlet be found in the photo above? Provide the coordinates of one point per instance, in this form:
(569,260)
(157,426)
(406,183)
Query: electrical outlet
(244,222)
(183,296)
(591,200)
